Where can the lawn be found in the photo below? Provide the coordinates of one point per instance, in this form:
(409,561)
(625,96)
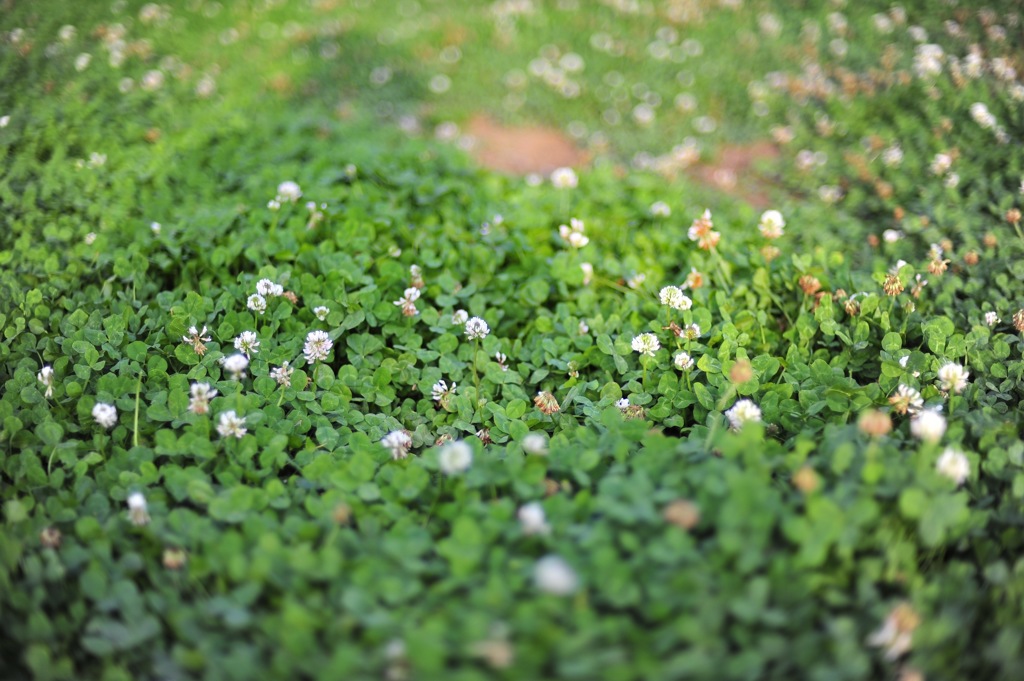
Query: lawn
(300,382)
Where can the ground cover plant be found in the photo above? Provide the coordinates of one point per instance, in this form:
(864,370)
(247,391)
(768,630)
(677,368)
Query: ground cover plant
(289,390)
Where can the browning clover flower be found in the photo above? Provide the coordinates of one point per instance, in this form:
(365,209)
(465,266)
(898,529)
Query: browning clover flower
(283,375)
(702,231)
(200,396)
(771,225)
(546,402)
(892,285)
(196,339)
(896,632)
(694,280)
(408,301)
(646,344)
(441,393)
(906,399)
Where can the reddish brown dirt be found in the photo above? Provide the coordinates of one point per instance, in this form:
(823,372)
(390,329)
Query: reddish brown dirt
(522,149)
(734,172)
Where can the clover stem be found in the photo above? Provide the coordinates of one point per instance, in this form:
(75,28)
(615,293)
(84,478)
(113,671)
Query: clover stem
(138,393)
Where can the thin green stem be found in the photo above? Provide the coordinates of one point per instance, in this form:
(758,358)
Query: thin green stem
(138,394)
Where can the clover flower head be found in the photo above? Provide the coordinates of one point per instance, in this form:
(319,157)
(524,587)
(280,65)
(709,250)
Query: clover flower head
(408,301)
(953,377)
(660,209)
(588,273)
(683,361)
(269,289)
(564,178)
(622,403)
(954,465)
(289,191)
(573,233)
(459,317)
(477,328)
(646,344)
(200,395)
(694,280)
(702,231)
(502,360)
(691,332)
(45,377)
(283,374)
(231,425)
(553,575)
(532,519)
(674,297)
(399,442)
(928,425)
(235,365)
(991,318)
(321,312)
(546,402)
(535,443)
(906,399)
(455,457)
(256,303)
(247,343)
(318,344)
(771,225)
(105,414)
(416,276)
(896,631)
(744,411)
(441,393)
(138,511)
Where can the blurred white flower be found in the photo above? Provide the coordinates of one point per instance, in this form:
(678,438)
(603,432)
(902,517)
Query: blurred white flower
(138,512)
(743,411)
(288,191)
(455,457)
(535,443)
(553,575)
(928,425)
(45,377)
(771,224)
(82,61)
(564,178)
(399,442)
(532,519)
(954,465)
(660,209)
(953,377)
(459,317)
(200,395)
(105,414)
(231,425)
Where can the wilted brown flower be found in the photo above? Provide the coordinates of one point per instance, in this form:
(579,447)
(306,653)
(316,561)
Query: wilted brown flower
(897,631)
(485,436)
(741,372)
(174,558)
(1013,216)
(1018,320)
(873,240)
(682,513)
(809,284)
(892,286)
(770,252)
(443,439)
(546,402)
(874,423)
(852,307)
(806,480)
(342,513)
(937,266)
(990,240)
(971,258)
(290,297)
(50,537)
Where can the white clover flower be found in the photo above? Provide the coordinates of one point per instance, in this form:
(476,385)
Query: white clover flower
(532,519)
(891,236)
(248,343)
(152,80)
(67,33)
(477,328)
(288,191)
(235,365)
(952,181)
(283,375)
(743,411)
(674,297)
(622,403)
(906,399)
(564,178)
(683,361)
(573,233)
(90,238)
(5,121)
(256,303)
(82,61)
(459,317)
(588,273)
(928,61)
(156,228)
(892,156)
(200,395)
(771,224)
(896,633)
(408,301)
(691,332)
(583,328)
(105,414)
(268,289)
(231,425)
(553,575)
(138,511)
(321,312)
(953,377)
(535,443)
(928,425)
(940,164)
(274,204)
(953,465)
(646,344)
(660,209)
(318,344)
(991,318)
(399,442)
(45,377)
(196,339)
(982,116)
(440,392)
(455,457)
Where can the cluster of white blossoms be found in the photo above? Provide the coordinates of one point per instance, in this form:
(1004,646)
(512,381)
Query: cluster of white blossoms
(992,318)
(231,425)
(771,224)
(399,442)
(683,361)
(744,411)
(953,377)
(105,414)
(928,61)
(408,301)
(673,297)
(476,328)
(45,377)
(532,519)
(248,343)
(288,191)
(646,344)
(321,312)
(235,365)
(282,374)
(200,395)
(892,156)
(660,209)
(317,345)
(928,425)
(196,339)
(573,233)
(455,457)
(906,399)
(553,575)
(265,288)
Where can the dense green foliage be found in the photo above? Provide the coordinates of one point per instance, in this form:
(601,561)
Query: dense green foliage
(305,548)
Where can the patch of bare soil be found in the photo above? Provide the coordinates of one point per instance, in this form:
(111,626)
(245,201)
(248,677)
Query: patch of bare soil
(734,171)
(521,150)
